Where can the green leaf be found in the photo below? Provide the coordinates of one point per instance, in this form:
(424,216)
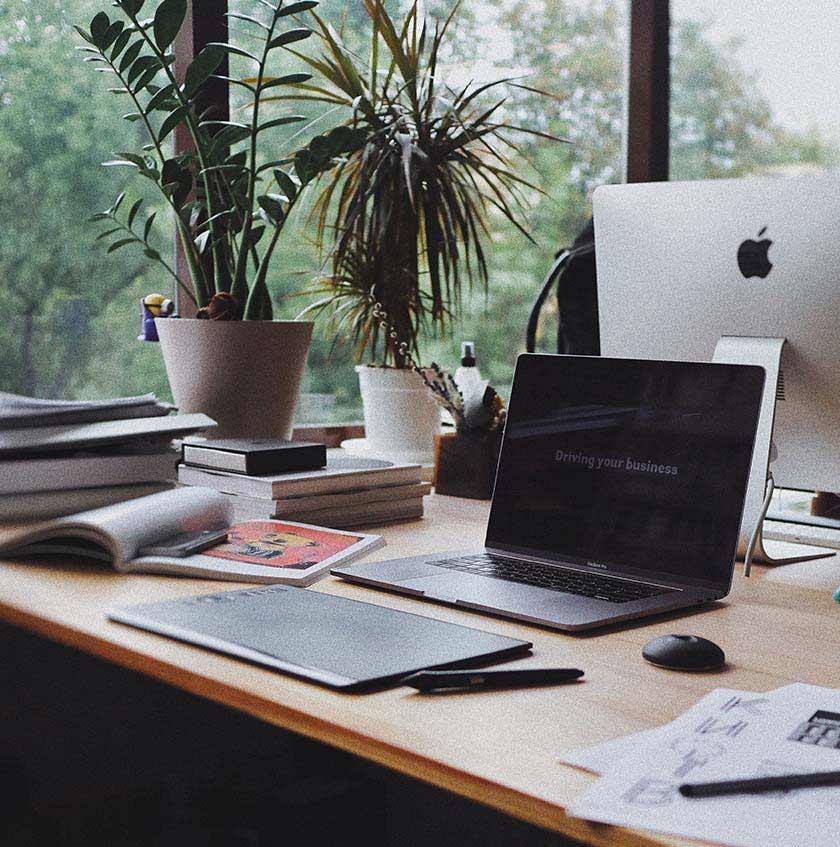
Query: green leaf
(172,120)
(286,79)
(111,34)
(99,29)
(168,19)
(226,123)
(121,243)
(289,37)
(304,166)
(255,234)
(141,66)
(107,233)
(176,180)
(276,163)
(232,48)
(152,254)
(145,79)
(287,185)
(132,212)
(119,45)
(130,55)
(289,119)
(131,117)
(133,157)
(272,205)
(228,136)
(131,6)
(297,8)
(116,163)
(201,67)
(99,216)
(86,35)
(158,101)
(147,227)
(248,18)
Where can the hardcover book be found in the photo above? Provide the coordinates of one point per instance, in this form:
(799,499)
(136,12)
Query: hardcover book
(254,455)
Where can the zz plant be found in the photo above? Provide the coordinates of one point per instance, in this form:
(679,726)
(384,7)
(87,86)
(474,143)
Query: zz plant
(229,204)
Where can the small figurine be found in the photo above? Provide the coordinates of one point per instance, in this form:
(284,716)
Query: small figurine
(153,306)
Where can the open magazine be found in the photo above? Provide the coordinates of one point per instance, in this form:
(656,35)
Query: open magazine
(255,551)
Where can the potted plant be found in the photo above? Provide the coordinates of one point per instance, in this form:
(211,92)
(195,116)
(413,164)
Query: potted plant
(403,216)
(228,201)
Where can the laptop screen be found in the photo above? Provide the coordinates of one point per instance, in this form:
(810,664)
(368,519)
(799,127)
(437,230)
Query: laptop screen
(638,467)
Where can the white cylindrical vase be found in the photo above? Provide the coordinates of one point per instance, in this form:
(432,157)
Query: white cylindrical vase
(401,416)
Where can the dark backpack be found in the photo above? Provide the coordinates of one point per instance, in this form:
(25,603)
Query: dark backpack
(573,275)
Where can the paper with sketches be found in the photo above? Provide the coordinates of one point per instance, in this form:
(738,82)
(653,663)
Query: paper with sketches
(602,757)
(732,735)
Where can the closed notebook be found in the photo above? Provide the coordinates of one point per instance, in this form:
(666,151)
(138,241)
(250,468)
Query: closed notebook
(334,641)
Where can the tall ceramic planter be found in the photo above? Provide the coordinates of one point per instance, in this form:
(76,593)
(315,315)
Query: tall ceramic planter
(246,375)
(401,417)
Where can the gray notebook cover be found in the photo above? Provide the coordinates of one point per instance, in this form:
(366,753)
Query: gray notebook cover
(331,640)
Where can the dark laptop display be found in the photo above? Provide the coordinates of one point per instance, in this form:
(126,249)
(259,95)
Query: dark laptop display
(619,495)
(617,466)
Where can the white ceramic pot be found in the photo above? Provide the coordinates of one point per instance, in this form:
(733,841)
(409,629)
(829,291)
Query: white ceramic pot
(401,417)
(246,375)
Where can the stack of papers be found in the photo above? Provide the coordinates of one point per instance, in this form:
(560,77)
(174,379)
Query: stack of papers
(729,734)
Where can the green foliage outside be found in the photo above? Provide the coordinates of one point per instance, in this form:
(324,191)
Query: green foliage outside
(70,310)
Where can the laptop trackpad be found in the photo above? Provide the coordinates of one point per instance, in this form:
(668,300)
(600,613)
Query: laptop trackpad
(510,596)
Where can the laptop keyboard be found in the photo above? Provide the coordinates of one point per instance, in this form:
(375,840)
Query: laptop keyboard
(554,579)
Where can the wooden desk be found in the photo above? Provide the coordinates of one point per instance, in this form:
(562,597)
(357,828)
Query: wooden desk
(498,748)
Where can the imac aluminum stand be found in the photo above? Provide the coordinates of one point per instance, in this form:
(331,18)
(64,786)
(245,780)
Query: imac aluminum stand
(766,352)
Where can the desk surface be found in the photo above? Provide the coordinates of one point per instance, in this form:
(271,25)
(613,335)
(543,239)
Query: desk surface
(498,748)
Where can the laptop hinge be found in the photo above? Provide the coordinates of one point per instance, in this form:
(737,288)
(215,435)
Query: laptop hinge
(571,566)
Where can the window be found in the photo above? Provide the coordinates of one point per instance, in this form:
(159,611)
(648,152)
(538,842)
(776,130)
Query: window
(753,87)
(70,310)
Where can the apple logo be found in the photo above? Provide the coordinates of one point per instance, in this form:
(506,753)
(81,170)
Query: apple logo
(752,256)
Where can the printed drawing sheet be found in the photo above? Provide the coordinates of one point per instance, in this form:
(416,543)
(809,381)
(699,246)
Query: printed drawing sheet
(727,735)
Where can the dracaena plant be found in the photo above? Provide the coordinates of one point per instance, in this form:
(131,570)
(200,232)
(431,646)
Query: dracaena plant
(229,203)
(404,217)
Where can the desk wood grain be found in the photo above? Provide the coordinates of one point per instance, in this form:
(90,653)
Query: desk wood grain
(498,748)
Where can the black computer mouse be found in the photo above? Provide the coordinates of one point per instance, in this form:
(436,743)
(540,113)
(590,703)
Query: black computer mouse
(684,653)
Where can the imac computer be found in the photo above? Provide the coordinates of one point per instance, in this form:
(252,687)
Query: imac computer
(755,261)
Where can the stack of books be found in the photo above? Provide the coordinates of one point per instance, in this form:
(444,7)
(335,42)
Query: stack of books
(62,457)
(346,491)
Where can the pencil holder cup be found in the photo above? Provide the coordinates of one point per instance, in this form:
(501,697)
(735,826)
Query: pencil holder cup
(465,463)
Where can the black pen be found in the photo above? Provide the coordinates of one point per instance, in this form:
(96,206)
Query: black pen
(758,784)
(485,680)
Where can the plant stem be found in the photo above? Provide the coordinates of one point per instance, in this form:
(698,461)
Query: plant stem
(240,284)
(254,307)
(196,269)
(194,130)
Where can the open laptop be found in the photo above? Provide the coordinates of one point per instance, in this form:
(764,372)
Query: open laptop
(618,494)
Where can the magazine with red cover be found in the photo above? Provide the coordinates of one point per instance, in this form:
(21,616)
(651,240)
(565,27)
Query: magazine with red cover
(284,551)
